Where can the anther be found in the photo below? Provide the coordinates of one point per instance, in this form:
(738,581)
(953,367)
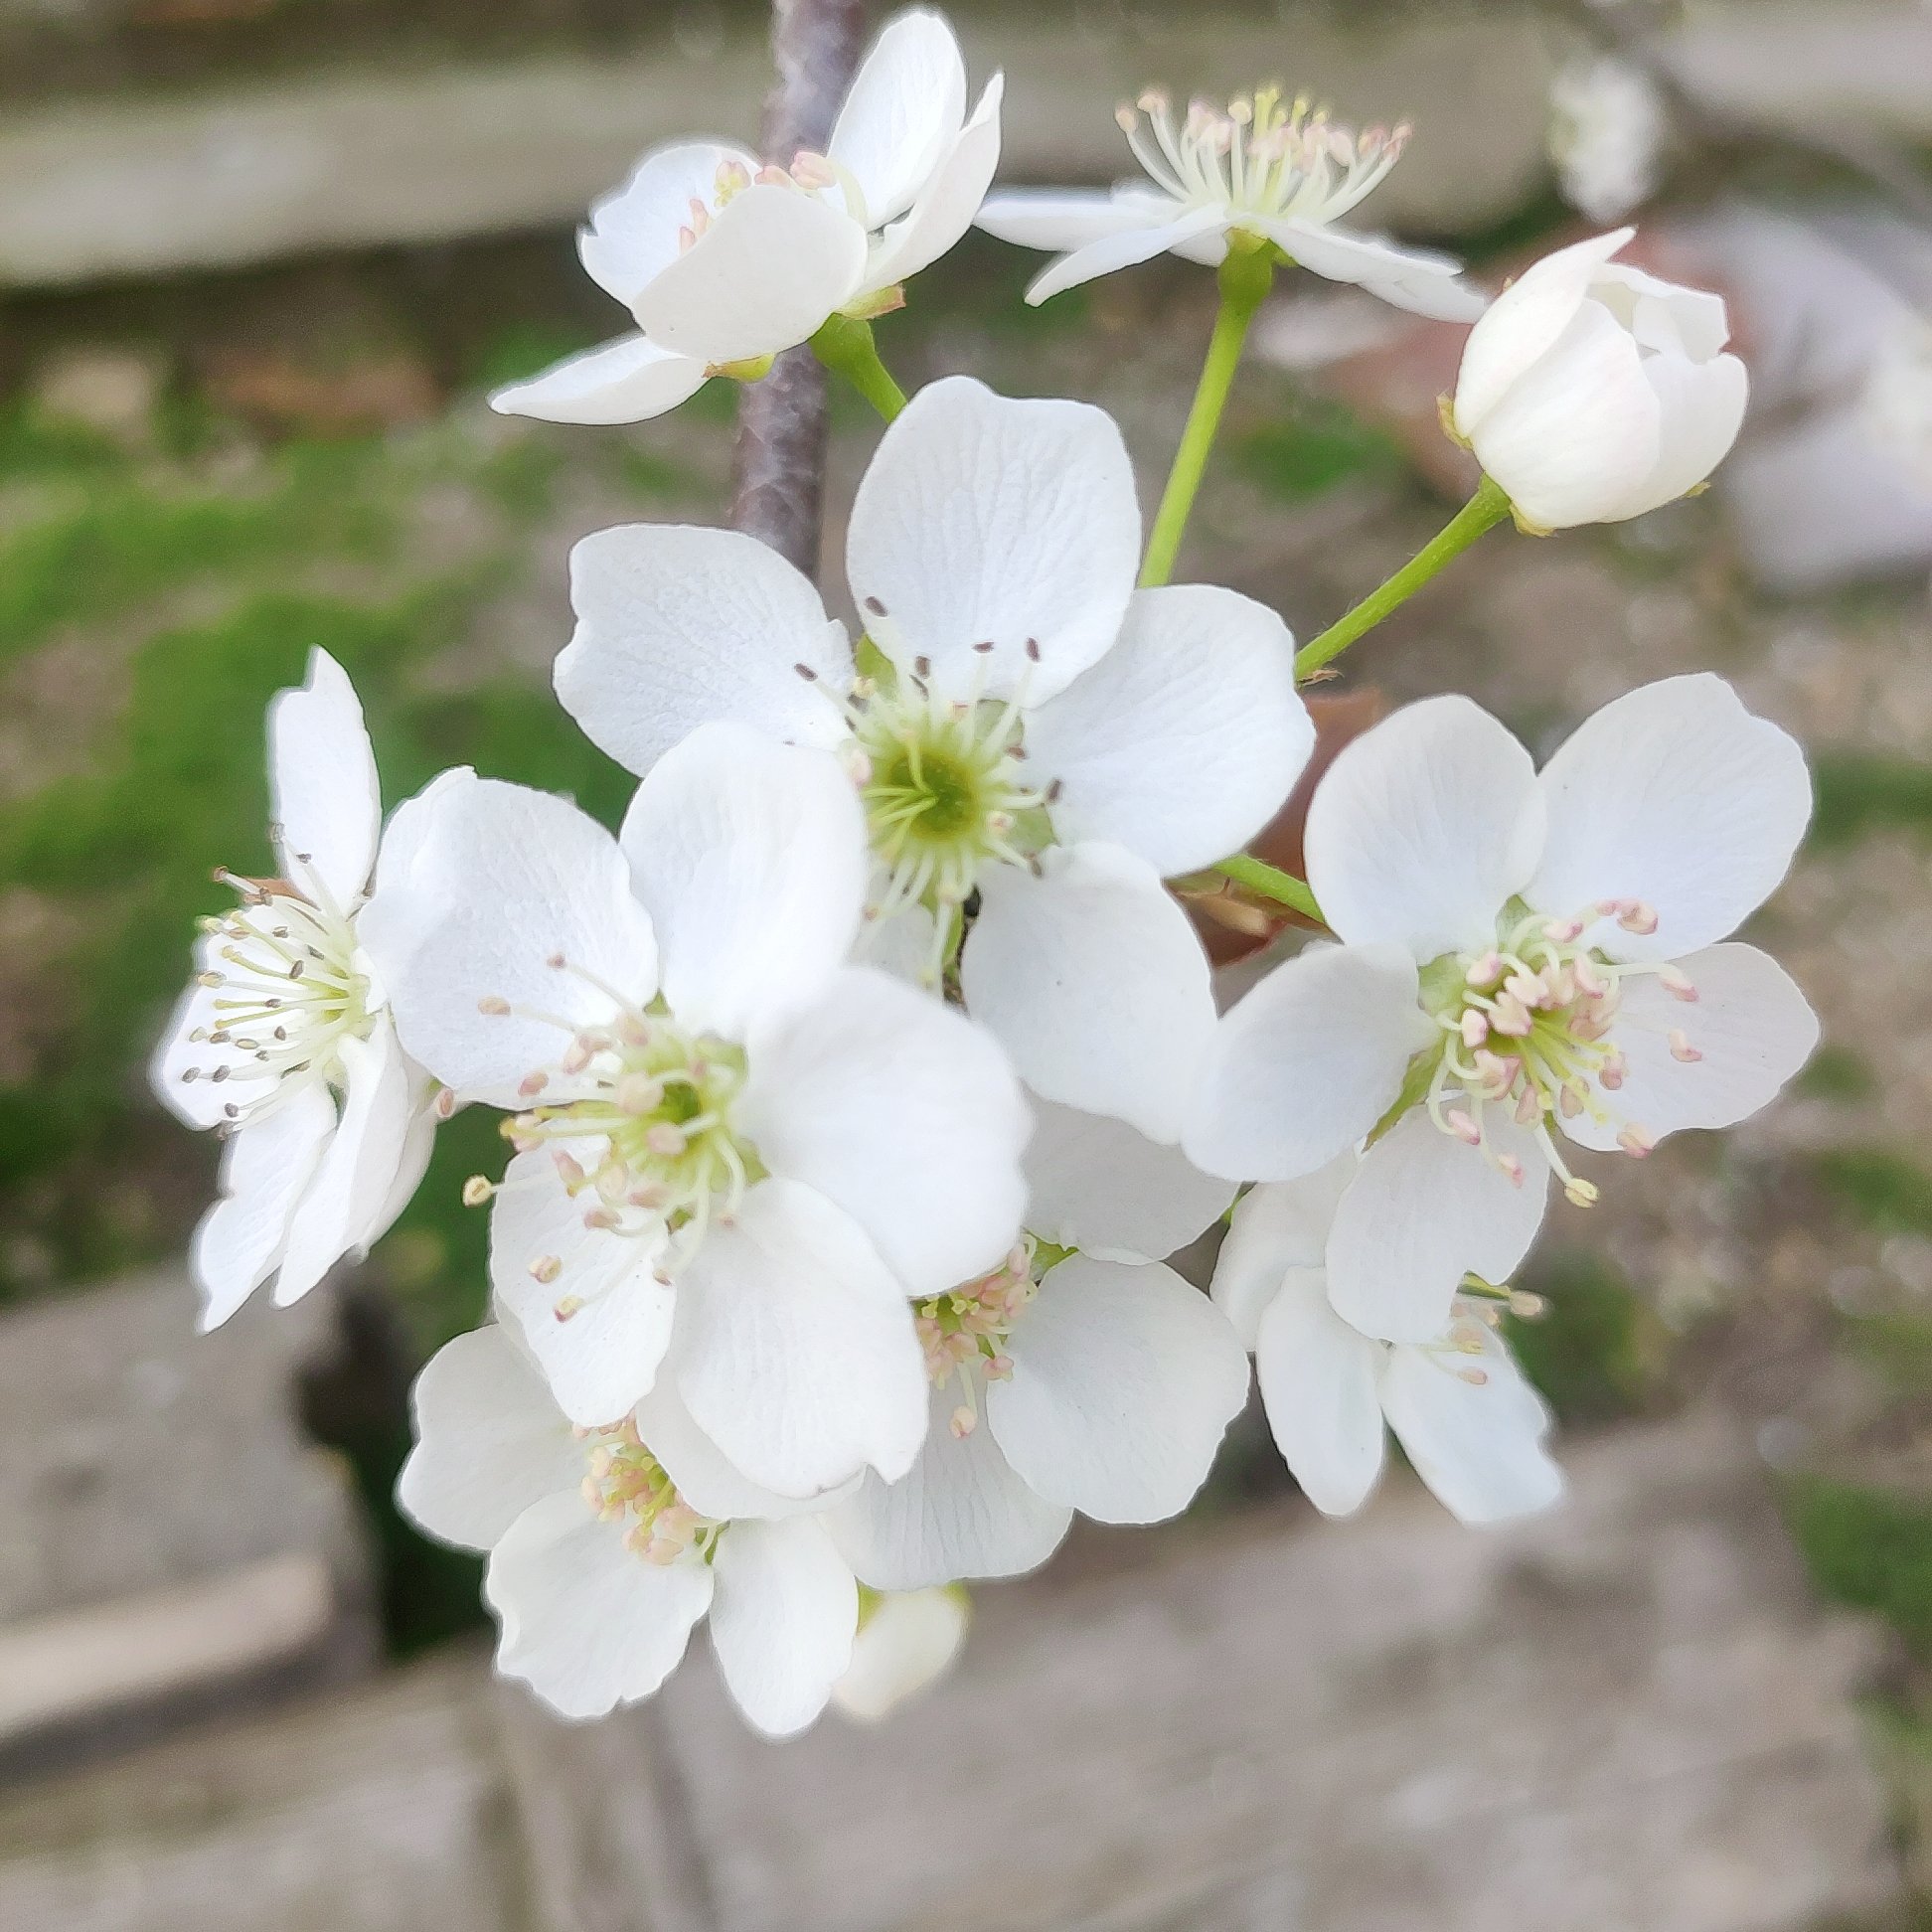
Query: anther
(1580,1193)
(1682,1049)
(494,1004)
(1677,983)
(1032,649)
(545,1268)
(477,1190)
(806,672)
(1634,1141)
(877,608)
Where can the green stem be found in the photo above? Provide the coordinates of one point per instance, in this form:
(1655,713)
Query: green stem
(845,346)
(1271,883)
(1245,278)
(1484,511)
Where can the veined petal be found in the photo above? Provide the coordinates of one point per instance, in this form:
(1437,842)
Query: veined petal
(902,113)
(1182,742)
(1676,795)
(678,628)
(588,1624)
(1098,1184)
(633,232)
(946,204)
(1423,828)
(905,1114)
(1318,1381)
(1424,1211)
(1751,1029)
(796,1350)
(1279,1229)
(1124,1382)
(1306,1063)
(959,1512)
(910,1638)
(490,1441)
(626,380)
(1416,279)
(783,1617)
(749,858)
(987,520)
(322,788)
(1126,247)
(1093,981)
(774,262)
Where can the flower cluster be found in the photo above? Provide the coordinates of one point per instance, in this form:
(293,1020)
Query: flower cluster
(858,1088)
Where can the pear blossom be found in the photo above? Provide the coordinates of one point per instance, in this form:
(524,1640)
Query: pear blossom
(736,1155)
(1260,174)
(607,1546)
(723,262)
(1457,1403)
(1607,128)
(1060,1381)
(906,1641)
(1525,959)
(1592,391)
(284,1042)
(1030,732)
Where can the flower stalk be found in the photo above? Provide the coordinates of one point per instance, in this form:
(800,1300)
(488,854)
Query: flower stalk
(845,346)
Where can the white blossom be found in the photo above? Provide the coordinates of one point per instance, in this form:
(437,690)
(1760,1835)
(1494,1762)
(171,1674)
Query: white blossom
(1592,391)
(906,1641)
(1467,1420)
(737,1154)
(1525,959)
(1606,135)
(283,1040)
(1261,173)
(723,262)
(1037,731)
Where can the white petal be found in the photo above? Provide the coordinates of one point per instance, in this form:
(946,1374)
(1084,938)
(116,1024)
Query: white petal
(1182,742)
(983,519)
(490,1441)
(910,1638)
(796,1352)
(1092,977)
(678,628)
(411,1161)
(1061,219)
(322,788)
(1124,1382)
(712,1485)
(1700,409)
(1124,247)
(1101,1186)
(904,1113)
(1423,828)
(1750,1023)
(632,234)
(774,262)
(959,1512)
(1318,1381)
(903,113)
(1307,1062)
(1479,1447)
(510,879)
(782,1620)
(1279,1227)
(1673,794)
(1416,279)
(1524,323)
(388,925)
(588,1624)
(1424,1211)
(602,1357)
(947,203)
(265,1167)
(178,1071)
(750,856)
(626,380)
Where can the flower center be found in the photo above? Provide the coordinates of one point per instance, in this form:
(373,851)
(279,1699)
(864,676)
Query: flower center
(287,993)
(965,1330)
(625,1483)
(1527,1026)
(1258,157)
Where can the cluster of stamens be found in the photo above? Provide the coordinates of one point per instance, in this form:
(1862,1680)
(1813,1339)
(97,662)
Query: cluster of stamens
(809,171)
(645,1139)
(1527,1026)
(287,992)
(625,1483)
(1478,1309)
(964,1331)
(1259,157)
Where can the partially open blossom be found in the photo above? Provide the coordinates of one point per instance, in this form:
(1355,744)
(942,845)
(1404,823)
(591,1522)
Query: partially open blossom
(1467,1420)
(283,1040)
(1038,734)
(737,1154)
(723,262)
(1527,960)
(1263,173)
(906,1641)
(607,1544)
(1592,391)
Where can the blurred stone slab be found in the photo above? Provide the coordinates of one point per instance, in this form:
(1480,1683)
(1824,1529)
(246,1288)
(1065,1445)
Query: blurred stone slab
(167,1527)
